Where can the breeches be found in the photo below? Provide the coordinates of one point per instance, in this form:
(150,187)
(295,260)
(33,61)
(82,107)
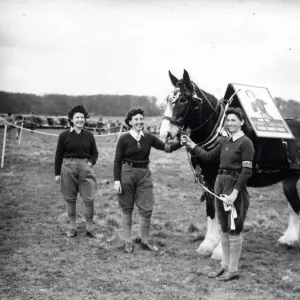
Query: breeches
(78,176)
(225,185)
(137,189)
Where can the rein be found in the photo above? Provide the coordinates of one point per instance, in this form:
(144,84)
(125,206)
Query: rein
(199,177)
(218,126)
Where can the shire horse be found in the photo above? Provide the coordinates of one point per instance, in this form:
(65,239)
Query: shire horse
(189,107)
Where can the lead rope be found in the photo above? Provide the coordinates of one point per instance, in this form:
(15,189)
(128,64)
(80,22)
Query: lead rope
(197,173)
(198,177)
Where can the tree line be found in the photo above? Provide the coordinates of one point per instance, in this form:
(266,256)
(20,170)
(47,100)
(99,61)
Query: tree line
(57,104)
(106,105)
(289,109)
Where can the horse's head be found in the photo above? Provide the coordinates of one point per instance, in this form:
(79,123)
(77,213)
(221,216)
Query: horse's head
(185,108)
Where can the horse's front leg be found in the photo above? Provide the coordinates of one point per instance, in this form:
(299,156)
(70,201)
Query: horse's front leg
(212,237)
(211,240)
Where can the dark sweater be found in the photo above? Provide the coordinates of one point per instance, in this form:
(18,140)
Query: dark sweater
(72,144)
(231,155)
(127,150)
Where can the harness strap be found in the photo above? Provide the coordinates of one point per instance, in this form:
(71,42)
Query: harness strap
(287,151)
(214,134)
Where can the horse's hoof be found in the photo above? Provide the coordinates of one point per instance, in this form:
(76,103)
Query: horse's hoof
(203,253)
(216,255)
(288,242)
(206,248)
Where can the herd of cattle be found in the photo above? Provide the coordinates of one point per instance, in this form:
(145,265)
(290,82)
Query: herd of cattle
(99,126)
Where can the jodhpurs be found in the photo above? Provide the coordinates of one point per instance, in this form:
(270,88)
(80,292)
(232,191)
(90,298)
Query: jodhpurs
(224,185)
(78,176)
(136,189)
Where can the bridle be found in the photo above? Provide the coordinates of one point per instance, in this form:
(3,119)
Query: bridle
(190,99)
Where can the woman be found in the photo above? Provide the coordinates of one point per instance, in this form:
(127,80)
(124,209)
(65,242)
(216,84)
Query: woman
(132,177)
(236,155)
(76,153)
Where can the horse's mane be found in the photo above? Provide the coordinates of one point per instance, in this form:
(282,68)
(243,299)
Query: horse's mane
(212,99)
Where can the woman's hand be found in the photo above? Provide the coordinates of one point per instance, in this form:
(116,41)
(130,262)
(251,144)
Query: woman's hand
(118,187)
(186,141)
(57,179)
(229,200)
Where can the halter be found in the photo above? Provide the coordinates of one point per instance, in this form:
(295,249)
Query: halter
(200,101)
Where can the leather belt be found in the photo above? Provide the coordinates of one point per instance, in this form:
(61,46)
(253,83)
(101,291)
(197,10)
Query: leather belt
(136,165)
(228,172)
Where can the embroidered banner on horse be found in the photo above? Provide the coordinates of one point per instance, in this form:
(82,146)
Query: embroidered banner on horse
(260,109)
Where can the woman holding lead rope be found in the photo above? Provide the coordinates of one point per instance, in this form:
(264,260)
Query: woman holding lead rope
(236,155)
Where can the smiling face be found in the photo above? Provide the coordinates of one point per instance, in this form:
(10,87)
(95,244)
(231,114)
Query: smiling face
(234,124)
(137,122)
(78,120)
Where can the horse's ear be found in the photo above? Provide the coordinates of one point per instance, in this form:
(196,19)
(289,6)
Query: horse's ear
(186,78)
(174,80)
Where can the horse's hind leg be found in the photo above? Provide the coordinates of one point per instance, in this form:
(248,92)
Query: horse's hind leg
(291,236)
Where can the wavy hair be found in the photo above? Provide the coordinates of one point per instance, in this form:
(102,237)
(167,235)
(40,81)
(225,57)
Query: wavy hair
(74,110)
(131,113)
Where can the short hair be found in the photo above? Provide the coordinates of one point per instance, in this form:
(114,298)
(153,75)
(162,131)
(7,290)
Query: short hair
(239,113)
(77,109)
(236,111)
(131,113)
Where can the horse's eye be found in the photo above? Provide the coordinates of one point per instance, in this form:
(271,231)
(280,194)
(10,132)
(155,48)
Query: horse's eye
(183,100)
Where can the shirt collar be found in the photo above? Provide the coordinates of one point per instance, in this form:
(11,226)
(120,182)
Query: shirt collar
(136,135)
(72,129)
(238,135)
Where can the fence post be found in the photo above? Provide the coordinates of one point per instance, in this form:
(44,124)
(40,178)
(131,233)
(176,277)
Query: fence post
(4,142)
(108,132)
(21,130)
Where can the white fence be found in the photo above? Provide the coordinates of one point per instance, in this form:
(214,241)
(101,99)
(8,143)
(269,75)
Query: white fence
(44,133)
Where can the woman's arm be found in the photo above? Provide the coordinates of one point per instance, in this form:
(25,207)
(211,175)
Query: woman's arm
(247,153)
(204,156)
(59,154)
(93,150)
(158,144)
(119,154)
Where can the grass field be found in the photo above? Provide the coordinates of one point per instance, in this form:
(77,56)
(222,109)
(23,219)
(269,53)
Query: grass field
(38,261)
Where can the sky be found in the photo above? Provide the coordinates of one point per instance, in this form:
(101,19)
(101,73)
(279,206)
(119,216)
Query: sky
(128,46)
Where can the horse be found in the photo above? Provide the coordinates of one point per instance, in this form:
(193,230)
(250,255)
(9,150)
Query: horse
(189,107)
